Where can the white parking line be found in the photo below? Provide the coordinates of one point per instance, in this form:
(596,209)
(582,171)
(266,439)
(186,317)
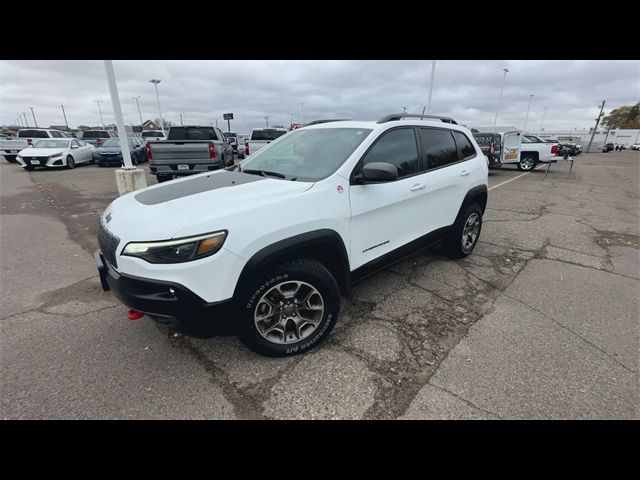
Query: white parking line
(511,180)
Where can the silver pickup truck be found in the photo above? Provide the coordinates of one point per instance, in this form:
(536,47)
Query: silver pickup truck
(188,150)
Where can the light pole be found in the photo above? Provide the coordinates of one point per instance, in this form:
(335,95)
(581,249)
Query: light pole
(155,83)
(65,117)
(504,79)
(404,110)
(115,103)
(26,122)
(181,122)
(302,114)
(543,115)
(433,74)
(524,129)
(34,117)
(138,104)
(100,110)
(267,120)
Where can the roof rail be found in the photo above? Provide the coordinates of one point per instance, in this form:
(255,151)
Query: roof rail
(400,116)
(316,122)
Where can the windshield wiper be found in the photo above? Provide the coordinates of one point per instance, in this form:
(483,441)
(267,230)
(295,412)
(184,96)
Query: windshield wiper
(264,173)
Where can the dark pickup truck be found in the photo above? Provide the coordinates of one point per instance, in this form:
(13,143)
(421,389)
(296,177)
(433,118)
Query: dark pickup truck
(188,150)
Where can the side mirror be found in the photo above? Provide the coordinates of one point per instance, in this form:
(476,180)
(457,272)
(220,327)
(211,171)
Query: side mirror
(73,147)
(379,172)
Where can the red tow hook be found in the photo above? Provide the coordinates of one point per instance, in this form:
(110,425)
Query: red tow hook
(134,314)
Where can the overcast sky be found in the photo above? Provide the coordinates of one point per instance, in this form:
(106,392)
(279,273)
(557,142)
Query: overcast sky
(202,91)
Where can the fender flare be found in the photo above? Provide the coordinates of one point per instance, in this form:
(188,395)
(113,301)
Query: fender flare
(478,191)
(312,244)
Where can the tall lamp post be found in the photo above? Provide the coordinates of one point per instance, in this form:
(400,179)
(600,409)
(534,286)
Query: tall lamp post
(433,74)
(504,79)
(34,117)
(302,114)
(524,129)
(544,113)
(138,104)
(100,110)
(155,83)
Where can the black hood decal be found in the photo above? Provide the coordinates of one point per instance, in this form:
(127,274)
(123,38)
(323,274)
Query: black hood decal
(174,190)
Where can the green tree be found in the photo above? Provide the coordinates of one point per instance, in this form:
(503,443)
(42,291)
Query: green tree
(627,116)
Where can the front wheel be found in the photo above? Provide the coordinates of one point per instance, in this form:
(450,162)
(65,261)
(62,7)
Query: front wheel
(290,310)
(11,158)
(465,233)
(164,178)
(71,162)
(526,164)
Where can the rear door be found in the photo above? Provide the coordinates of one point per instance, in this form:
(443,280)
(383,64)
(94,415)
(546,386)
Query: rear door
(446,177)
(511,147)
(386,216)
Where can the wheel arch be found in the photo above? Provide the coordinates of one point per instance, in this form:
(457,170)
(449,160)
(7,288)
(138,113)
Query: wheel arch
(478,194)
(534,155)
(324,245)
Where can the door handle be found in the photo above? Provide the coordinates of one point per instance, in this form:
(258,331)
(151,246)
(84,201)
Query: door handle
(417,186)
(464,173)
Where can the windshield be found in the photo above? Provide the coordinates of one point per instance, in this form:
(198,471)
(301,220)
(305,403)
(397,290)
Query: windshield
(308,155)
(52,144)
(95,134)
(267,134)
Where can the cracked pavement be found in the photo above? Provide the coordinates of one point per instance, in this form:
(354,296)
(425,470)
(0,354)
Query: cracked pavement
(541,321)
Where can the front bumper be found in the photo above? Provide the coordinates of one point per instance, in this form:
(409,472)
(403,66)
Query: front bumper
(166,302)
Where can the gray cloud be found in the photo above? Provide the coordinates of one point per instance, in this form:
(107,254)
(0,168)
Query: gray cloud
(251,89)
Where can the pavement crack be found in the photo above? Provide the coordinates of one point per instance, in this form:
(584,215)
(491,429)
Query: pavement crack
(561,325)
(468,402)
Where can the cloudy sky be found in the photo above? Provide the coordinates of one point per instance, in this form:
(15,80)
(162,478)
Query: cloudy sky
(203,90)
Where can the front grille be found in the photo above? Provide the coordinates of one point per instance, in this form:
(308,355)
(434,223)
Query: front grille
(42,160)
(108,244)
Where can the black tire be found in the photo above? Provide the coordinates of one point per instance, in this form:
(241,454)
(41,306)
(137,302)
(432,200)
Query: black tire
(304,270)
(29,168)
(70,162)
(454,244)
(527,163)
(11,158)
(163,178)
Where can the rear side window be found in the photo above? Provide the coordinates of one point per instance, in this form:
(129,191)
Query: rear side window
(438,147)
(266,134)
(399,148)
(33,134)
(192,133)
(55,134)
(465,149)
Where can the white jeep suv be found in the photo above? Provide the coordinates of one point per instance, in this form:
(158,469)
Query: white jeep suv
(269,245)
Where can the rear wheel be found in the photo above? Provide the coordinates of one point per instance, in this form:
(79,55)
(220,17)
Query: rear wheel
(526,163)
(70,162)
(465,233)
(290,310)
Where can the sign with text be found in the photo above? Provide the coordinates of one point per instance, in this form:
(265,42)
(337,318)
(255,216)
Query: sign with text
(227,116)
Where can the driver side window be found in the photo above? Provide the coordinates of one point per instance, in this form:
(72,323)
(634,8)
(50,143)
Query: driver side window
(397,147)
(74,144)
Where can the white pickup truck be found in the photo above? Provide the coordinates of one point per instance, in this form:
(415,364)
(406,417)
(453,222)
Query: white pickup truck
(261,137)
(513,147)
(26,138)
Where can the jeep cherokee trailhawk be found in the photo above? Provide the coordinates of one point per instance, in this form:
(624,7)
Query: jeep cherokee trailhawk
(269,245)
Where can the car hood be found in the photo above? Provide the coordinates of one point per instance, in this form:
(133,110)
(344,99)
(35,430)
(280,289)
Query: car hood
(40,152)
(196,204)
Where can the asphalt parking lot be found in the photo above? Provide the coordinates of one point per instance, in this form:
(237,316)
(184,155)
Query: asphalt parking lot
(541,321)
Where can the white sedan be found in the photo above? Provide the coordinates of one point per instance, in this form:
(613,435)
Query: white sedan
(56,152)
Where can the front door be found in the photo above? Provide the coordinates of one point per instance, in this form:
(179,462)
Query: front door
(385,216)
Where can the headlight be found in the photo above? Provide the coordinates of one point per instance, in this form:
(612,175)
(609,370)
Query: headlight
(56,155)
(177,251)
